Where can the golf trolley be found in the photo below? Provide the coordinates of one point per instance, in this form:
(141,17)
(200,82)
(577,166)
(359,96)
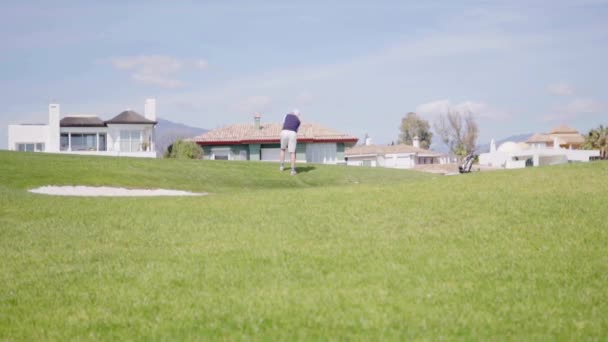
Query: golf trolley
(467,163)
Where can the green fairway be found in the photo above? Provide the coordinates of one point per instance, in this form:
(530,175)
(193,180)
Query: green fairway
(333,253)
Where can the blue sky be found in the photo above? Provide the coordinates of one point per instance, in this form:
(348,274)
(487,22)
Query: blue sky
(357,66)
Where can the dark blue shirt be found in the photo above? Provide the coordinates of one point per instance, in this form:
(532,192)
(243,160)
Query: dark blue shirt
(291,123)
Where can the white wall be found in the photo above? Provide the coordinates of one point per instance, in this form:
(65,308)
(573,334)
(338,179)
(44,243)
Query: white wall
(381,161)
(150,114)
(27,134)
(540,157)
(581,155)
(394,160)
(150,109)
(363,160)
(493,159)
(399,161)
(552,160)
(53,130)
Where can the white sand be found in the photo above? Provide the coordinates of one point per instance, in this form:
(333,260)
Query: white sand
(107,191)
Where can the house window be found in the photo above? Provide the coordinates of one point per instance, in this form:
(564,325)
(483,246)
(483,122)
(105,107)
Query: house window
(84,142)
(221,153)
(130,141)
(30,147)
(102,142)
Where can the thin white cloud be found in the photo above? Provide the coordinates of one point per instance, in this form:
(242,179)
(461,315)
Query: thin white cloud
(433,108)
(584,106)
(560,89)
(201,64)
(157,80)
(575,109)
(156,70)
(479,109)
(407,52)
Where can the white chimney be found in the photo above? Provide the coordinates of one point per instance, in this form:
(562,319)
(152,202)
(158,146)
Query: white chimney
(257,118)
(150,109)
(368,141)
(416,142)
(492,145)
(52,143)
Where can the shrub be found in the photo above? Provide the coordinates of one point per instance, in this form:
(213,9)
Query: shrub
(182,149)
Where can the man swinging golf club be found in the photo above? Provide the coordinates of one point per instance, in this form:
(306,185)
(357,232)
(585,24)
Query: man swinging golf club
(289,138)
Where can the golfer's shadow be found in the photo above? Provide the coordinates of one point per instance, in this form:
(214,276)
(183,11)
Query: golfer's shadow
(302,169)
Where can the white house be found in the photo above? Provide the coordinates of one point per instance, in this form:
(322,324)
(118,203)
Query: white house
(398,156)
(556,147)
(127,134)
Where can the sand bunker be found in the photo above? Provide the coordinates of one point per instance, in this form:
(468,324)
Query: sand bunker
(106,191)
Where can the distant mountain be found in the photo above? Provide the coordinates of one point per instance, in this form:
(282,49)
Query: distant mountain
(440,147)
(167,132)
(514,138)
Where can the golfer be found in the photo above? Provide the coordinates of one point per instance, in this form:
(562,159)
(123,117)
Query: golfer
(289,138)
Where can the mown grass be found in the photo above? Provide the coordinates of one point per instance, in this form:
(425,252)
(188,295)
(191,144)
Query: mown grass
(333,253)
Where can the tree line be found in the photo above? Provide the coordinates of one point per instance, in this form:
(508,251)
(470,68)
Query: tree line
(457,130)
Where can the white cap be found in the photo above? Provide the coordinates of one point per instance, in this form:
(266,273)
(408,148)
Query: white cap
(295,111)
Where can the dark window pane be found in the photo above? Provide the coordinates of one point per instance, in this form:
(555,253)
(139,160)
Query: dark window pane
(102,142)
(64,142)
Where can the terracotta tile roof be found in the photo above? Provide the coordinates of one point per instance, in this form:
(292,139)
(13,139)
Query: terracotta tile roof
(130,117)
(364,150)
(569,138)
(269,133)
(563,129)
(536,138)
(390,149)
(81,121)
(565,136)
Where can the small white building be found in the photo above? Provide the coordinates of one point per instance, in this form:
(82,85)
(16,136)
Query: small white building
(540,150)
(398,156)
(127,134)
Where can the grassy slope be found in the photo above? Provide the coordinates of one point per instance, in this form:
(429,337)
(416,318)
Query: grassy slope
(334,252)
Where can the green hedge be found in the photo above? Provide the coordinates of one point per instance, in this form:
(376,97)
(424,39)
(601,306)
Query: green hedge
(182,149)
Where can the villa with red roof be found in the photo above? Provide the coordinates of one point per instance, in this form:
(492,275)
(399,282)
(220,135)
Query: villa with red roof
(260,141)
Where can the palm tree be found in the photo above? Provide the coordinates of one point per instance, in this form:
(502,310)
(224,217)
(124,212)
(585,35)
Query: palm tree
(597,138)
